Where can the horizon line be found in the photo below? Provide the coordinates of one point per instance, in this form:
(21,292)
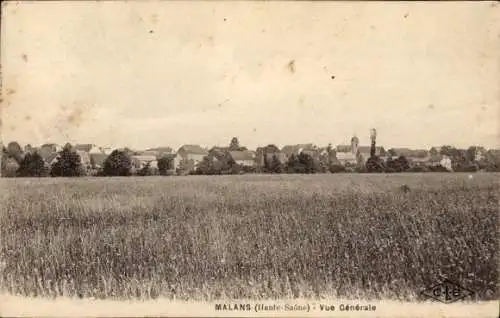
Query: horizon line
(242,145)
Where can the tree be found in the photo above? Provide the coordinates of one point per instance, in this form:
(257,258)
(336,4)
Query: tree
(493,160)
(231,167)
(32,165)
(185,166)
(433,151)
(206,166)
(164,164)
(452,152)
(268,154)
(293,164)
(382,152)
(302,163)
(28,148)
(212,166)
(391,152)
(235,144)
(308,162)
(330,151)
(477,156)
(118,163)
(402,164)
(9,164)
(471,153)
(15,151)
(323,163)
(374,164)
(92,162)
(275,165)
(68,164)
(390,165)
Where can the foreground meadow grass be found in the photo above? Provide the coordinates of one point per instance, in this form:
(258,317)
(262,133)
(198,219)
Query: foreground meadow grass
(249,237)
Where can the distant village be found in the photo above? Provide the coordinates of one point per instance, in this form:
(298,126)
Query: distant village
(299,158)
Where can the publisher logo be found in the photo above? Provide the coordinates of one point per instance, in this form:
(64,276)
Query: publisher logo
(446,292)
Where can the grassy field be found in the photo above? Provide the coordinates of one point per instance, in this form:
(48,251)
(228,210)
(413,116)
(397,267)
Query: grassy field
(250,236)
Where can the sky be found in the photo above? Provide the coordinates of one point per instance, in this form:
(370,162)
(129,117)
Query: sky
(148,74)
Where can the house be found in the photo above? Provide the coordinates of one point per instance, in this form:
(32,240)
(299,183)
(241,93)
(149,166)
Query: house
(326,156)
(189,156)
(446,162)
(325,151)
(309,149)
(408,153)
(150,153)
(346,158)
(344,148)
(348,155)
(356,154)
(493,157)
(89,148)
(434,160)
(220,154)
(51,159)
(364,153)
(435,151)
(265,155)
(244,158)
(107,150)
(160,151)
(51,147)
(46,151)
(170,162)
(97,160)
(140,161)
(414,156)
(29,149)
(479,154)
(84,158)
(438,159)
(127,151)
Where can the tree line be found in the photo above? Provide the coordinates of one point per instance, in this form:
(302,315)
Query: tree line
(68,163)
(119,163)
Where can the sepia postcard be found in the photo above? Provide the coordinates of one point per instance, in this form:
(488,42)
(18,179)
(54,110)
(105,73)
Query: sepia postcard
(249,159)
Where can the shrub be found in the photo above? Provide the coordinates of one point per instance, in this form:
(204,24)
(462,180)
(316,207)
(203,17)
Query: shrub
(335,168)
